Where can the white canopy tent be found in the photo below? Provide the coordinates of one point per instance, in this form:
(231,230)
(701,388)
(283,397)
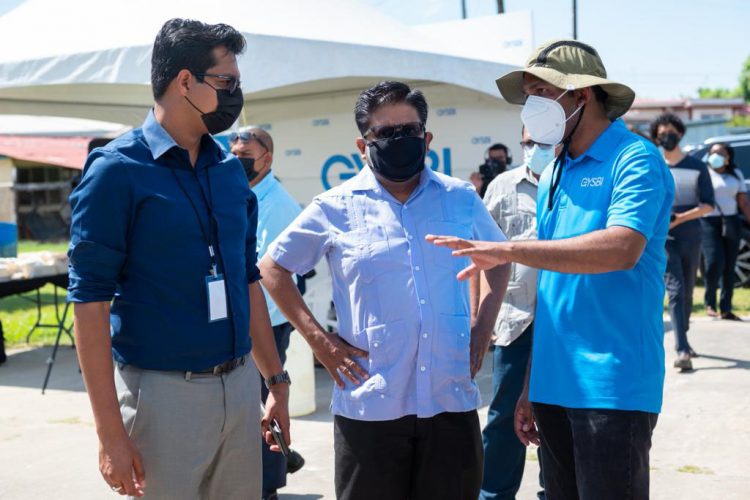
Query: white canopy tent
(91,59)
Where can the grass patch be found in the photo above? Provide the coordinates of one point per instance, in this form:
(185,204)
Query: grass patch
(740,301)
(25,246)
(694,469)
(19,314)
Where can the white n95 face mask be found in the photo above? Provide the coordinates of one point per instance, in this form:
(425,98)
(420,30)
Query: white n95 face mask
(545,119)
(538,157)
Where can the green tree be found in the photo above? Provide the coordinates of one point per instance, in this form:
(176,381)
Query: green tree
(742,90)
(745,81)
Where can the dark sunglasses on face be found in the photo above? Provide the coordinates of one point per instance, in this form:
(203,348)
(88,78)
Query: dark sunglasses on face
(245,137)
(411,129)
(230,82)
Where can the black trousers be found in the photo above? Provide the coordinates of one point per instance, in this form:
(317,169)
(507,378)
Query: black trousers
(683,259)
(409,458)
(591,454)
(720,257)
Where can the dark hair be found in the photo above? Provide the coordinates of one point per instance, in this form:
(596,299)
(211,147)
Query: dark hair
(600,94)
(500,146)
(188,44)
(730,153)
(667,119)
(387,93)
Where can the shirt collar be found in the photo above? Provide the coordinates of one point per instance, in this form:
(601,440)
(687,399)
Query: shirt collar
(525,174)
(159,141)
(265,186)
(601,148)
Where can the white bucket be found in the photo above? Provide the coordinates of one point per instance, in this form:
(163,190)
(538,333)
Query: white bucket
(299,364)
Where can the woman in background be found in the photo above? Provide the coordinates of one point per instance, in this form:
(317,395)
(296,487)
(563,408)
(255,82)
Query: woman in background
(721,230)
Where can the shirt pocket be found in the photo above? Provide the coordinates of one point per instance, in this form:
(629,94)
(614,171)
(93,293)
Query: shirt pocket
(382,363)
(452,354)
(363,251)
(442,257)
(520,225)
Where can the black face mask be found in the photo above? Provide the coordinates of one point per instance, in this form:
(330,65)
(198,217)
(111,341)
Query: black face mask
(669,141)
(398,159)
(226,113)
(248,164)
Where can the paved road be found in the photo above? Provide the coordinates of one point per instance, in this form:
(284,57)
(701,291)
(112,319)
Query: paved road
(48,445)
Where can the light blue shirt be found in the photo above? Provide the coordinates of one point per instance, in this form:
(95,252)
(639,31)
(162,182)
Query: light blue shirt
(396,295)
(599,338)
(276,210)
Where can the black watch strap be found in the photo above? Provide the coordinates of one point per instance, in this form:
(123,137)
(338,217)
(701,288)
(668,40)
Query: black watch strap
(279,378)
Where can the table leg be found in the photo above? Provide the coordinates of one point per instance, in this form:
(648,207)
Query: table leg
(51,359)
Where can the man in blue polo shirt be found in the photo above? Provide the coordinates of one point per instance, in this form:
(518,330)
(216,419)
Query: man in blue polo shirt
(163,222)
(597,368)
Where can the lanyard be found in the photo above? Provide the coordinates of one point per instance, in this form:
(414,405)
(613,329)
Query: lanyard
(207,235)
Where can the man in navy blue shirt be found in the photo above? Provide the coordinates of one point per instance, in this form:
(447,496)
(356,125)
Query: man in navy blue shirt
(163,256)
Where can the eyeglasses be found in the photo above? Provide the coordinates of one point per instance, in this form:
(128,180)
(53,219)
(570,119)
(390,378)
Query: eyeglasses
(411,129)
(245,137)
(230,82)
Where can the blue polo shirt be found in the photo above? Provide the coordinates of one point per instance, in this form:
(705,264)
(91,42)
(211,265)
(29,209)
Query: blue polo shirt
(598,338)
(135,238)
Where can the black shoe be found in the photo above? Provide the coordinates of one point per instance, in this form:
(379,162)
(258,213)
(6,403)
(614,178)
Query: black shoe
(271,495)
(294,462)
(730,316)
(683,362)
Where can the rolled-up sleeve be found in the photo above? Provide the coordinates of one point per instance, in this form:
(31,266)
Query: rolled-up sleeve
(251,241)
(101,209)
(640,182)
(304,242)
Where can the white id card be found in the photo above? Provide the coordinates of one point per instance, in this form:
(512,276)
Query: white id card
(217,298)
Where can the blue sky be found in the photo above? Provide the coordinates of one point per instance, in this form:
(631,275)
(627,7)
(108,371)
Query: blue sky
(662,48)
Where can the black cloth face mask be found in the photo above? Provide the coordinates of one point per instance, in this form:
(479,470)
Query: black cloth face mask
(226,113)
(248,165)
(669,141)
(397,159)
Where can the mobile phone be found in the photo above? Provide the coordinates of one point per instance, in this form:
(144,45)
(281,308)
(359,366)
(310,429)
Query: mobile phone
(279,437)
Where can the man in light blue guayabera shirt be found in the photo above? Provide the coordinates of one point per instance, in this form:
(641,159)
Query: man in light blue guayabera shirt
(406,353)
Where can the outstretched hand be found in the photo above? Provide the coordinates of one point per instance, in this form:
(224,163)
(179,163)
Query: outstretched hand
(484,254)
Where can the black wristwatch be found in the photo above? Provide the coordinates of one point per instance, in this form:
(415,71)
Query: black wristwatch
(282,377)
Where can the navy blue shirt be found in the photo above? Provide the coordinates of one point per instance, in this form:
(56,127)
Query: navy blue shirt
(136,238)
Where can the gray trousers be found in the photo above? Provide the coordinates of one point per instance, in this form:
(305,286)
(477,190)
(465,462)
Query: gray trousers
(199,439)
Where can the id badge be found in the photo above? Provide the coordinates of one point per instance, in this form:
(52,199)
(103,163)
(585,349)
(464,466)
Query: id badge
(217,298)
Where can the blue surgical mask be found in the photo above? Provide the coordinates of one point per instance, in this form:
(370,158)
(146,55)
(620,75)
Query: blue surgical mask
(716,161)
(538,157)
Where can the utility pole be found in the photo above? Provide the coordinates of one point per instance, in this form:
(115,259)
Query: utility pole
(500,7)
(463,9)
(575,20)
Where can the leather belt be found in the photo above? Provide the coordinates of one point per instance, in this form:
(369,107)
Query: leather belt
(219,369)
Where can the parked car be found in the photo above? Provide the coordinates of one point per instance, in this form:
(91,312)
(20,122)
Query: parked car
(741,145)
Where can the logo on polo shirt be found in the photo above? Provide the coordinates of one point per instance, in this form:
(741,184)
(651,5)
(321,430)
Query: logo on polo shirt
(592,181)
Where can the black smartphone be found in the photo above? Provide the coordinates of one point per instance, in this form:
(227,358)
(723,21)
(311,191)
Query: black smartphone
(279,437)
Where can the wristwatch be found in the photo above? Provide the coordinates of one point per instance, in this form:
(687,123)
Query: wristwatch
(282,377)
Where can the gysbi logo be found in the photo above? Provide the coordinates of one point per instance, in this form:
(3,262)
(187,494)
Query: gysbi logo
(592,181)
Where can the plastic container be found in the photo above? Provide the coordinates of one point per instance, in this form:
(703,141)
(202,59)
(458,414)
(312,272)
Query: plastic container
(8,239)
(299,364)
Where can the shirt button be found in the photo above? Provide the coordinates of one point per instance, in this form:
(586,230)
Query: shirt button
(417,268)
(382,396)
(422,301)
(424,335)
(462,334)
(376,344)
(411,236)
(456,389)
(423,368)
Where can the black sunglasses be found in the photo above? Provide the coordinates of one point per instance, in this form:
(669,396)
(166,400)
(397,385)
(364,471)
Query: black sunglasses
(245,137)
(411,129)
(231,82)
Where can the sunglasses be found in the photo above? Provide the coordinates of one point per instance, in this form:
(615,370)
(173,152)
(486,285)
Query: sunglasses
(229,82)
(245,137)
(411,129)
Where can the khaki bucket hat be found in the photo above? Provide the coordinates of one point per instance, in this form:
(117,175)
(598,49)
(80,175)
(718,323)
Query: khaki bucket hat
(568,64)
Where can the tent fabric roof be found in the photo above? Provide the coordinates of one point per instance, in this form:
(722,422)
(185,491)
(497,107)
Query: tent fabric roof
(93,58)
(68,152)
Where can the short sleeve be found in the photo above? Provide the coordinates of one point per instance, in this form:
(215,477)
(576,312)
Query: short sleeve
(301,245)
(251,241)
(705,186)
(640,189)
(100,214)
(743,186)
(484,226)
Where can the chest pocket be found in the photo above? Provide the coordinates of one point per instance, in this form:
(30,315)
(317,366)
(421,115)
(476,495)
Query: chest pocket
(364,253)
